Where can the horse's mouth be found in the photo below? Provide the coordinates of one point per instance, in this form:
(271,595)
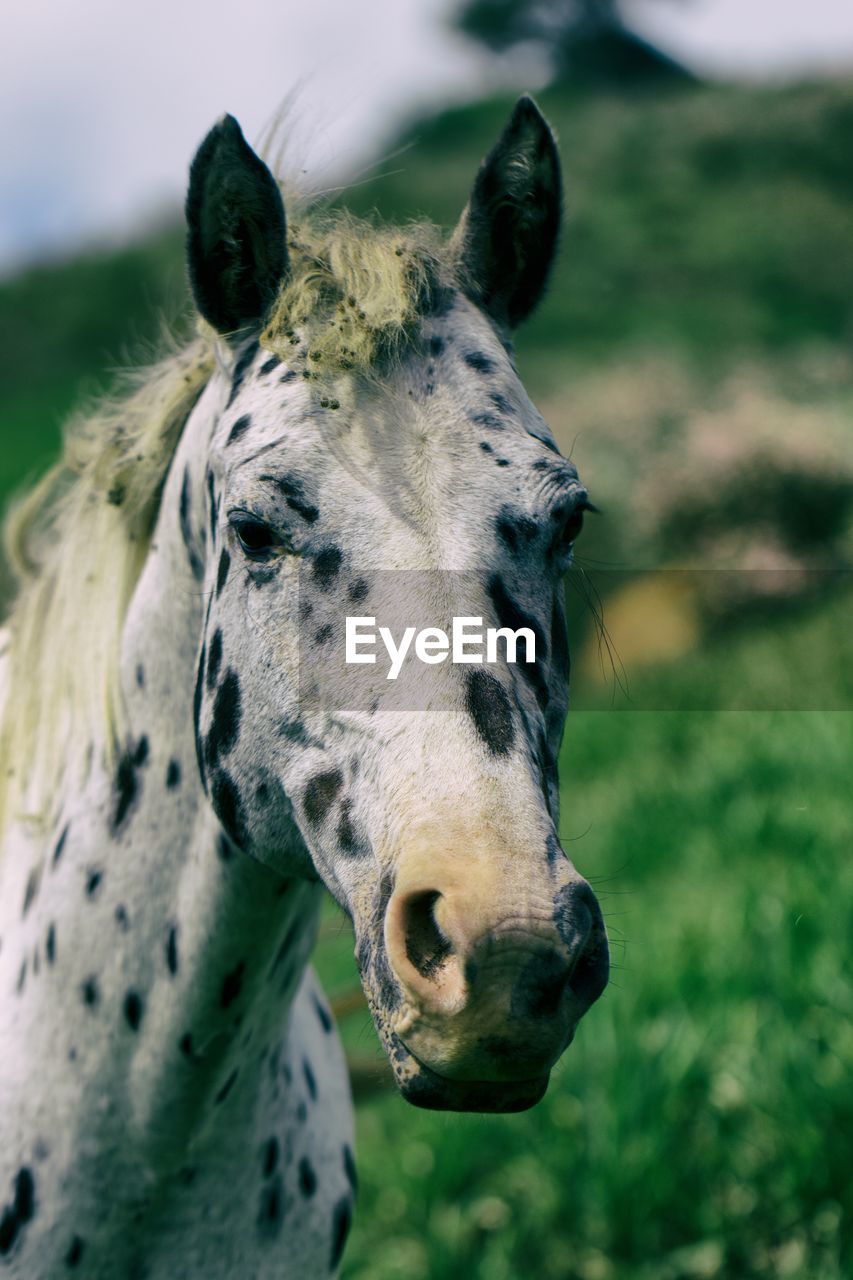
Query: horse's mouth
(433,1092)
(423,1087)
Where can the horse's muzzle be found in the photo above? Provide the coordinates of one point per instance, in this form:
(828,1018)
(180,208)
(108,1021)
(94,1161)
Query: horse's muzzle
(492,991)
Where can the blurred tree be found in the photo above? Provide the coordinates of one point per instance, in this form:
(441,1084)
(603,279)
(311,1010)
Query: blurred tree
(586,40)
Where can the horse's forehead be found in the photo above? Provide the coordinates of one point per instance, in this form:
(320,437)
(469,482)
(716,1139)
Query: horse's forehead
(454,399)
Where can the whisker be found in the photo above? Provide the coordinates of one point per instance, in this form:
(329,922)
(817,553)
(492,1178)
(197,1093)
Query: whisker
(573,839)
(585,587)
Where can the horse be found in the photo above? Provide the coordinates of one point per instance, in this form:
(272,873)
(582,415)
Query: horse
(185,773)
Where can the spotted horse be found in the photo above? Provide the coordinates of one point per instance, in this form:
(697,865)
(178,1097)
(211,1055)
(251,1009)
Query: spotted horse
(181,781)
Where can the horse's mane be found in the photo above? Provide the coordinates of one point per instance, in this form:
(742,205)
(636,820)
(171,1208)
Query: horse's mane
(77,541)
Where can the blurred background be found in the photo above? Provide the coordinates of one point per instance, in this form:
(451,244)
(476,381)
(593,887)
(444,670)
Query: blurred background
(694,356)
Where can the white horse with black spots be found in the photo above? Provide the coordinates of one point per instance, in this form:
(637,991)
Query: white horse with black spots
(185,769)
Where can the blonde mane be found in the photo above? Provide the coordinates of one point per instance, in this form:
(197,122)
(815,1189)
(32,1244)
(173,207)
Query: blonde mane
(357,289)
(77,541)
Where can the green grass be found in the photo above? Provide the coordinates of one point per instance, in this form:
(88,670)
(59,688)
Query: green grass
(701,1123)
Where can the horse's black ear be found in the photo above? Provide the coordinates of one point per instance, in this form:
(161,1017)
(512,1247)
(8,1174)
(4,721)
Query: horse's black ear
(507,236)
(236,247)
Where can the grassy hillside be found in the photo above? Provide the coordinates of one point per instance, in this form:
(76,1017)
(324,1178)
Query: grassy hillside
(713,221)
(699,329)
(64,327)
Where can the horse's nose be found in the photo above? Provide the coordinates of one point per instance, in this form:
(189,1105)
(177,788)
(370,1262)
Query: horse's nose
(487,978)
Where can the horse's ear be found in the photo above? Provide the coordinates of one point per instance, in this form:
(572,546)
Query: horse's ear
(236,246)
(507,236)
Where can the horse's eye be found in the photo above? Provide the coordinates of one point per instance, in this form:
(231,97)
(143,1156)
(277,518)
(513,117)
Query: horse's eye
(571,526)
(569,530)
(257,539)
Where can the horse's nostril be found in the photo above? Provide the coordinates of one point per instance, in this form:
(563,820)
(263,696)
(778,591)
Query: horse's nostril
(580,925)
(590,974)
(426,946)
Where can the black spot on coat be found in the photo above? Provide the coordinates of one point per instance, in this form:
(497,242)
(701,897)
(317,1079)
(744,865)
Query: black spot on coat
(232,985)
(347,838)
(127,782)
(133,1010)
(323,1015)
(294,496)
(479,361)
(32,886)
(269,1157)
(500,402)
(228,807)
(349,1167)
(271,1209)
(511,615)
(93,883)
(60,844)
(489,420)
(514,529)
(173,774)
(341,1223)
(197,697)
(489,708)
(320,794)
(21,1211)
(196,566)
(172,950)
(307,1178)
(213,506)
(225,723)
(222,570)
(240,427)
(214,658)
(74,1256)
(241,368)
(326,565)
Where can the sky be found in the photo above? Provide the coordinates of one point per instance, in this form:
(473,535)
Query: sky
(107,100)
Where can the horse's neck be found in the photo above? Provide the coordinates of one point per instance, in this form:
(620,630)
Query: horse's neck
(187,947)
